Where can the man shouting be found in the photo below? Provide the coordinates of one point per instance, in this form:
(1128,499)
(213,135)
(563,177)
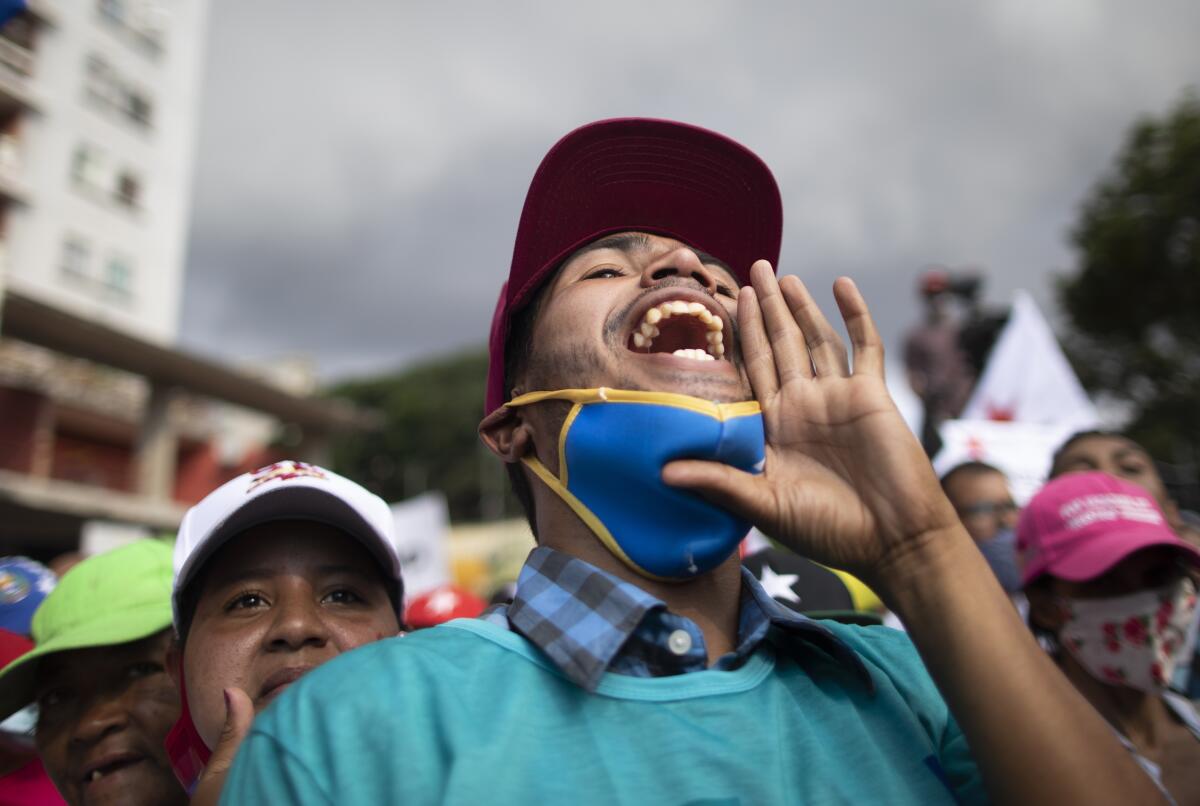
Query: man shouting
(655,392)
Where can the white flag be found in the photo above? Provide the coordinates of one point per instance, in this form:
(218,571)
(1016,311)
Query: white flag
(422,526)
(1027,378)
(1022,451)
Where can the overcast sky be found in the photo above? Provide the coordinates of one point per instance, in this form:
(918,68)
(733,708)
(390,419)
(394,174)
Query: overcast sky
(362,164)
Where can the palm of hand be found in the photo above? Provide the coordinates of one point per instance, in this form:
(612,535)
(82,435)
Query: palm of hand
(845,482)
(843,473)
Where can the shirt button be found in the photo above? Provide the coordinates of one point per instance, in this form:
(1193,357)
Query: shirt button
(679,642)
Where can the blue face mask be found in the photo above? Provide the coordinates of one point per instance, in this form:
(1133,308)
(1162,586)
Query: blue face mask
(611,452)
(1000,551)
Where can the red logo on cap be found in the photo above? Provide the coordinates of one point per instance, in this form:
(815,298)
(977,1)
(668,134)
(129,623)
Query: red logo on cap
(283,471)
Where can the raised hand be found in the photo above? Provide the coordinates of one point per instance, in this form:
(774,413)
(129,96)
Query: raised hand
(846,483)
(239,714)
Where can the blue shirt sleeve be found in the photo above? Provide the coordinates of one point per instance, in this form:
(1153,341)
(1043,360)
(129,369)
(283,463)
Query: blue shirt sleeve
(265,772)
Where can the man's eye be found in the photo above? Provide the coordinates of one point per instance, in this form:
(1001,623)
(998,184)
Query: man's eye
(51,699)
(343,596)
(727,291)
(145,668)
(246,601)
(602,273)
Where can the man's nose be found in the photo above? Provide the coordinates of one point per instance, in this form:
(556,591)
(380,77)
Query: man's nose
(105,713)
(1009,518)
(682,262)
(298,622)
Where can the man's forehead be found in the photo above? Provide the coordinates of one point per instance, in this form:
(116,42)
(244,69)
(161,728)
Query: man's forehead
(970,481)
(1113,444)
(58,664)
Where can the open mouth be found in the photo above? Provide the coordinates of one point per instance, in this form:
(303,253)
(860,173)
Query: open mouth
(682,329)
(110,765)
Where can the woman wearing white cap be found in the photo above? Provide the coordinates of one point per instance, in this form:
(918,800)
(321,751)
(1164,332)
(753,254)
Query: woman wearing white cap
(276,572)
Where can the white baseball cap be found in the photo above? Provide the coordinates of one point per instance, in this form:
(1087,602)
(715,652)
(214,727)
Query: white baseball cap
(287,490)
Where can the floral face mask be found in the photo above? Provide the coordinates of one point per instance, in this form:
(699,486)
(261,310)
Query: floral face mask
(1132,640)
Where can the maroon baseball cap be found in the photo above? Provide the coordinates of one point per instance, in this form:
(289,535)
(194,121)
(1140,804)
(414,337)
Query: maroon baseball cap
(1082,524)
(645,175)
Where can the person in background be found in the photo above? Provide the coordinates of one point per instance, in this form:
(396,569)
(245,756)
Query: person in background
(1118,455)
(98,674)
(980,495)
(276,572)
(24,584)
(936,365)
(24,781)
(1113,588)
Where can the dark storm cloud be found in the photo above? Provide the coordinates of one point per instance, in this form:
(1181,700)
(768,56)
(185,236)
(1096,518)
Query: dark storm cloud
(360,172)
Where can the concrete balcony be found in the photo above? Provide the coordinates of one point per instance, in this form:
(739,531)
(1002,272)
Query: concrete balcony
(16,71)
(44,11)
(12,186)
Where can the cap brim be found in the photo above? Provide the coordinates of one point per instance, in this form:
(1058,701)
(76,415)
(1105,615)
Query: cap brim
(19,678)
(1102,552)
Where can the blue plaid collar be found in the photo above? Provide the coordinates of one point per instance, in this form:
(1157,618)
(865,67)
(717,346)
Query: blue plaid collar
(589,622)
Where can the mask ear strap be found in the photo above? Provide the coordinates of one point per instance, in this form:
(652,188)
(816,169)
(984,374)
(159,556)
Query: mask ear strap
(586,515)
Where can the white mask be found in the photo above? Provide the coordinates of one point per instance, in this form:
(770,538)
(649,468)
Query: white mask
(1132,640)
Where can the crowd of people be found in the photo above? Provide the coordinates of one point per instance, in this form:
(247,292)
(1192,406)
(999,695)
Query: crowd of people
(654,391)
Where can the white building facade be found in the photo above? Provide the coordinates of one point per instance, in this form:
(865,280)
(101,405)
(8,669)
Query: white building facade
(100,153)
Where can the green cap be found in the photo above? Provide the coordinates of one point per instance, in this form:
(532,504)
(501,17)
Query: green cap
(120,596)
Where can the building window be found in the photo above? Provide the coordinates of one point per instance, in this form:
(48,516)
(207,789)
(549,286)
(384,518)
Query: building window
(87,167)
(119,277)
(137,108)
(141,22)
(75,257)
(108,90)
(128,190)
(114,10)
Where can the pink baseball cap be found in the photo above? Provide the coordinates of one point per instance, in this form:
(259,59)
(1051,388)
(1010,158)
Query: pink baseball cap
(1082,524)
(645,175)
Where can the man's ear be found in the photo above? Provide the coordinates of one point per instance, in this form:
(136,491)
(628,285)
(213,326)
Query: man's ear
(506,434)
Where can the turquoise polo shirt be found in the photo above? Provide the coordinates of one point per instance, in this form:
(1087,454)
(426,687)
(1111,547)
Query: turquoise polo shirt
(470,713)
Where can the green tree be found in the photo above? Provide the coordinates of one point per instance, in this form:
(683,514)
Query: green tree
(1134,302)
(428,440)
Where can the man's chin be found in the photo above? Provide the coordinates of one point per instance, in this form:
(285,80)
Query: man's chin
(718,381)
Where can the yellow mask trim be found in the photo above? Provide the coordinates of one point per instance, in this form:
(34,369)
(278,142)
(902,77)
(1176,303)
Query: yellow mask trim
(585,515)
(562,443)
(718,411)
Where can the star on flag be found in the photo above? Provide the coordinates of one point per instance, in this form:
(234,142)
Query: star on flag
(779,586)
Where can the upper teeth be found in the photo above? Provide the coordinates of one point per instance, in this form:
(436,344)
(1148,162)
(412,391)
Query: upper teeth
(648,331)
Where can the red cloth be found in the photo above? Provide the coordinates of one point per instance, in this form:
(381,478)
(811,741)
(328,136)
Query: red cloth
(29,786)
(442,604)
